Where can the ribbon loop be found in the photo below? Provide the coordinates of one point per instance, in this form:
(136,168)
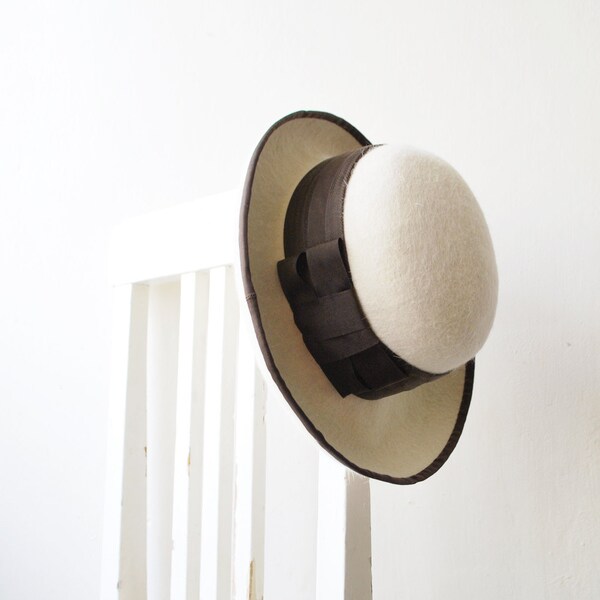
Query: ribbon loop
(320,292)
(327,269)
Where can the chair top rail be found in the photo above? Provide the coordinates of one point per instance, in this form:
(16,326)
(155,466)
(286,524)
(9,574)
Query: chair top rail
(189,237)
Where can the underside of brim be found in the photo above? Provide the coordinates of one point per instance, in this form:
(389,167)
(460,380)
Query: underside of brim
(401,439)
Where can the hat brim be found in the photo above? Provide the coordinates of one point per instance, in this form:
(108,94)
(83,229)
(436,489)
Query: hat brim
(401,439)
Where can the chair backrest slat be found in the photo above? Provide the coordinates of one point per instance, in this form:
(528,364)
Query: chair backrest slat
(124,542)
(162,365)
(257,565)
(217,467)
(189,440)
(229,361)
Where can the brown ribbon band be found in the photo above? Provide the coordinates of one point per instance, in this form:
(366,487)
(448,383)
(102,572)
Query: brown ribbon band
(316,281)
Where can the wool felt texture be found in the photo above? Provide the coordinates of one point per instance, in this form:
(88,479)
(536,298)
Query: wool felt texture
(427,280)
(402,438)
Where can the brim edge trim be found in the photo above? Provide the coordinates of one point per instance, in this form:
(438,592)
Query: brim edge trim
(252,301)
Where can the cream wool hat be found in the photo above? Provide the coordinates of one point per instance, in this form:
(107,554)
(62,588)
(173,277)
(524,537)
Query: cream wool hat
(371,280)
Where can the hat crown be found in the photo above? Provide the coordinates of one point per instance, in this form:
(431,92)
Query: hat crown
(420,256)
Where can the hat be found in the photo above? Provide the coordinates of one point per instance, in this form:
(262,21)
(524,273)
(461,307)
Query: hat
(371,281)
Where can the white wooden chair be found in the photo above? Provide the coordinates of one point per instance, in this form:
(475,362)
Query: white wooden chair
(214,490)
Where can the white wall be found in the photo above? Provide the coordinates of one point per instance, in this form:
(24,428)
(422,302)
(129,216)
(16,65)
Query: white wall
(109,109)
